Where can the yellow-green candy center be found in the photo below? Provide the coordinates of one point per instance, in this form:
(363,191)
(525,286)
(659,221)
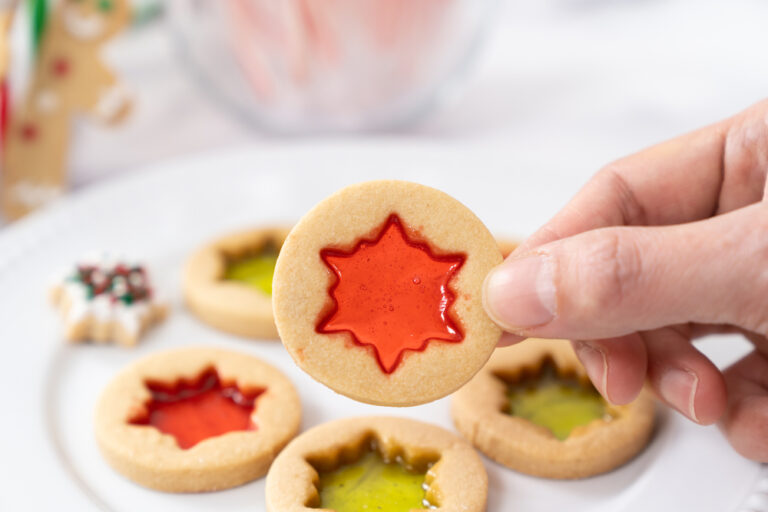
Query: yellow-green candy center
(256,271)
(556,404)
(372,484)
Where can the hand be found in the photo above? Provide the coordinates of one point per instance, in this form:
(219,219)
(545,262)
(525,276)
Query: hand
(657,249)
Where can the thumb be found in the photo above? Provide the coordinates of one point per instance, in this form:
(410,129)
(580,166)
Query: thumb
(613,281)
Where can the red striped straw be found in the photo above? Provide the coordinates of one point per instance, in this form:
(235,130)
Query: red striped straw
(5,109)
(284,47)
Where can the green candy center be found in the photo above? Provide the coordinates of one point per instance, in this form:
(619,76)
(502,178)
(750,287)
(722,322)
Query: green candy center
(372,484)
(556,403)
(256,271)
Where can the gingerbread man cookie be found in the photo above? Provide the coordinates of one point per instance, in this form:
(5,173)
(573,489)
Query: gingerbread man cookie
(228,283)
(533,409)
(70,78)
(105,299)
(196,419)
(7,11)
(377,293)
(377,463)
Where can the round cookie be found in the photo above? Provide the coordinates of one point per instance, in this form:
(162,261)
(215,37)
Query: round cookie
(228,300)
(196,419)
(454,476)
(377,293)
(507,246)
(576,442)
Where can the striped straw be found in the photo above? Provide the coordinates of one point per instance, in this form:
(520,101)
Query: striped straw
(38,17)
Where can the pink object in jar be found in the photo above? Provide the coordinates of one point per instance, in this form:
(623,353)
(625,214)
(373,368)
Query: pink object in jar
(311,65)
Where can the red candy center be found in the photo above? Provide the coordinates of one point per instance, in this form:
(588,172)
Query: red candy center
(392,294)
(192,411)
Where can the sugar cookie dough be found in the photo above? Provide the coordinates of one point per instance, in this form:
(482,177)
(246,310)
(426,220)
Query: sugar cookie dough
(196,419)
(532,409)
(228,283)
(377,463)
(105,299)
(377,293)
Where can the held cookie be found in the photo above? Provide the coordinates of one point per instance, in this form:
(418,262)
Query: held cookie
(377,293)
(105,299)
(228,283)
(196,419)
(533,409)
(507,246)
(377,463)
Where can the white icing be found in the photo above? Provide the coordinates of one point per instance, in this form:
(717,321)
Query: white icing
(47,101)
(102,308)
(83,27)
(33,195)
(112,101)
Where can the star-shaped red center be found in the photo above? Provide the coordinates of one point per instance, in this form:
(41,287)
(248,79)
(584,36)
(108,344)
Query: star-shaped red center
(192,411)
(392,294)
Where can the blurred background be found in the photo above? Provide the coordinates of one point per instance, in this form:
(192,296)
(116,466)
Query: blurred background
(569,84)
(152,130)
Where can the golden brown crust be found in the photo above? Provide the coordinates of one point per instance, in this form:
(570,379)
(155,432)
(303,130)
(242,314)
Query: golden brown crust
(154,459)
(457,482)
(506,246)
(228,305)
(300,293)
(600,446)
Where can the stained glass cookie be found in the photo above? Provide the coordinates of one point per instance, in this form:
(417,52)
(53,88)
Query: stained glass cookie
(533,409)
(377,463)
(377,293)
(196,419)
(228,283)
(106,299)
(507,246)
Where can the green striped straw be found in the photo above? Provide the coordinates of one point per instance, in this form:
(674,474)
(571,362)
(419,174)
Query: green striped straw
(38,16)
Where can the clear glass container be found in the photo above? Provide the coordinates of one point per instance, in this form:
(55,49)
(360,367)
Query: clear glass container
(330,65)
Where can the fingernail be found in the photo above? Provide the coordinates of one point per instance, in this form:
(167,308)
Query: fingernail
(596,364)
(678,387)
(520,293)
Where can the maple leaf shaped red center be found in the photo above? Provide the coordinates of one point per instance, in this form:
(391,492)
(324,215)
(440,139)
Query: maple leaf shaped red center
(392,294)
(193,411)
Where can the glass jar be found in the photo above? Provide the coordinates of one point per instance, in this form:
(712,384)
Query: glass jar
(330,65)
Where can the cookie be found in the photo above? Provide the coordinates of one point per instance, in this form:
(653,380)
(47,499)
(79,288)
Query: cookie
(196,419)
(69,80)
(104,299)
(377,293)
(377,463)
(7,13)
(507,246)
(533,409)
(228,283)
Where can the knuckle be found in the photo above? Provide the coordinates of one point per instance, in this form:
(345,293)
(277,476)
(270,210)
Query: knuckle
(627,202)
(747,277)
(755,241)
(616,269)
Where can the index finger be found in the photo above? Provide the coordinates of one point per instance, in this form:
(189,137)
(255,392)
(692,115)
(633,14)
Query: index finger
(673,182)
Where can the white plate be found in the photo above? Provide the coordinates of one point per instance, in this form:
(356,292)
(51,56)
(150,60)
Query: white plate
(48,456)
